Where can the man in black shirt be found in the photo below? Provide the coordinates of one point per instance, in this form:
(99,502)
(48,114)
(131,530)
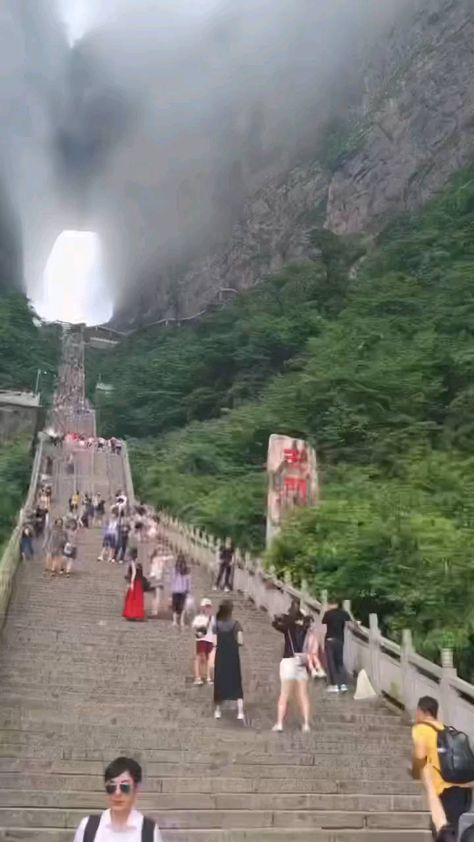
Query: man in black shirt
(224,576)
(335,619)
(123,535)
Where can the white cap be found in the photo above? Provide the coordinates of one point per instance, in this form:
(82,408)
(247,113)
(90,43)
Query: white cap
(206,603)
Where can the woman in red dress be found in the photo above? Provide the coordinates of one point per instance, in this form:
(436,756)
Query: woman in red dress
(134,608)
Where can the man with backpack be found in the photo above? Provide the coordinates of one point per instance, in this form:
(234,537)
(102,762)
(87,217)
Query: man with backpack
(448,753)
(121,821)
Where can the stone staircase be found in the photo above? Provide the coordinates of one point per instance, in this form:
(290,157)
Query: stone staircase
(79,686)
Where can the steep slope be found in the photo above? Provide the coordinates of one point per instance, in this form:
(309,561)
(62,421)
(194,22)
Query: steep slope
(417,129)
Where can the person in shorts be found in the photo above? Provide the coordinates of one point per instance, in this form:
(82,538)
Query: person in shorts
(455,799)
(70,547)
(294,664)
(110,538)
(442,831)
(203,625)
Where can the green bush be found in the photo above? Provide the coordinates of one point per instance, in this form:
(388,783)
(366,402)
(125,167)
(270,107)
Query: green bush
(15,467)
(26,345)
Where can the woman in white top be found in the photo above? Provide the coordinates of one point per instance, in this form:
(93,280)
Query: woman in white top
(159,561)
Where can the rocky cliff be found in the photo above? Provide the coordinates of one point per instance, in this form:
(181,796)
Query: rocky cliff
(418,125)
(409,130)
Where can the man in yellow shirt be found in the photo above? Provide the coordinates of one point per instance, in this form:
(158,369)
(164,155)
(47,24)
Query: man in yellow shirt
(456,799)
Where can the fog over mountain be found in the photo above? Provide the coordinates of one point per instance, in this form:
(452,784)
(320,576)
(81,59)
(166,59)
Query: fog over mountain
(151,122)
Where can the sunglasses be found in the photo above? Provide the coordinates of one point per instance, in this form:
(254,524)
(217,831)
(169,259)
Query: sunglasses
(125,788)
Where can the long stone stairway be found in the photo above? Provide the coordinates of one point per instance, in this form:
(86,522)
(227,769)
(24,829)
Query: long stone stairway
(79,685)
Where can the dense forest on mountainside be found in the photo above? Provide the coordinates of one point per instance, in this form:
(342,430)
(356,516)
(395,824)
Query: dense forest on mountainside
(369,354)
(25,346)
(15,467)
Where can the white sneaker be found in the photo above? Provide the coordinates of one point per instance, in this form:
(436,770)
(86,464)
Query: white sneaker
(343,688)
(241,715)
(320,673)
(217,714)
(226,590)
(277,728)
(210,681)
(333,689)
(198,682)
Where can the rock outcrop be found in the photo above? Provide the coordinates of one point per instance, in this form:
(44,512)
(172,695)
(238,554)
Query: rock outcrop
(418,128)
(274,231)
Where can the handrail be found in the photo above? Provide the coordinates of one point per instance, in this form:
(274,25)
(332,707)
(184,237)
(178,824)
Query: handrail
(10,559)
(396,671)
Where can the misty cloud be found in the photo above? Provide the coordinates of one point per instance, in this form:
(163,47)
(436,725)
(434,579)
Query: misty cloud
(158,123)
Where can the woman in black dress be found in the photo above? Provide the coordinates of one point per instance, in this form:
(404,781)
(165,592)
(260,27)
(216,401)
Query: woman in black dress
(227,675)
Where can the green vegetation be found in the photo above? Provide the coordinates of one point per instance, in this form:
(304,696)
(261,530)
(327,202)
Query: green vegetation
(25,346)
(15,468)
(376,368)
(340,139)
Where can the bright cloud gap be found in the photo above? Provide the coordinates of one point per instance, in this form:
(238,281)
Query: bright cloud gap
(74,288)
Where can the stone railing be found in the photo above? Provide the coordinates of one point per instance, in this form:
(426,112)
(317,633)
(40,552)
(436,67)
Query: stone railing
(396,672)
(11,555)
(127,472)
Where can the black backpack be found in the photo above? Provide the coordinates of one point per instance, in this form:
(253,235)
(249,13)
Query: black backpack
(456,757)
(92,826)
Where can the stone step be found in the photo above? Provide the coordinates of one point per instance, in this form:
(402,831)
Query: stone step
(249,834)
(80,685)
(65,783)
(217,801)
(176,770)
(231,819)
(228,742)
(250,757)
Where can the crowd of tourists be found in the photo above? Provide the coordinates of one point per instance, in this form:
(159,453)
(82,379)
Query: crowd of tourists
(159,583)
(163,583)
(83,442)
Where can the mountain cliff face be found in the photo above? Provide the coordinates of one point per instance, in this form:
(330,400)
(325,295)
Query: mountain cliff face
(411,128)
(418,126)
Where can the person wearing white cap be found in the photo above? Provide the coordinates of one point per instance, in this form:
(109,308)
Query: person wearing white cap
(205,643)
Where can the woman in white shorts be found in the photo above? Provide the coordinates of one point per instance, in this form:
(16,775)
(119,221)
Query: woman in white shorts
(293,665)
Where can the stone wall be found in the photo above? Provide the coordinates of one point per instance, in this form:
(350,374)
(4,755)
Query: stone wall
(16,420)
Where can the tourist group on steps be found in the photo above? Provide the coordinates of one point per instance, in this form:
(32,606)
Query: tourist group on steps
(310,651)
(443,758)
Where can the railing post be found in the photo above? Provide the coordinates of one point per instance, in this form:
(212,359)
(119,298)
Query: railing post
(349,649)
(374,652)
(407,673)
(448,695)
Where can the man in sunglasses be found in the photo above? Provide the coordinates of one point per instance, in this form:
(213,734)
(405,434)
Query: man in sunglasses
(121,822)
